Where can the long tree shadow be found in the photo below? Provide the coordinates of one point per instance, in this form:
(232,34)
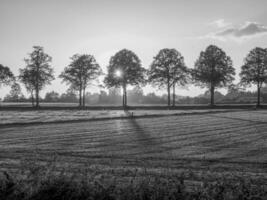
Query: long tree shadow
(142,136)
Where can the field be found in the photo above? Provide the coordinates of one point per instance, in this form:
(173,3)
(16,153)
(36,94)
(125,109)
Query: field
(200,146)
(22,117)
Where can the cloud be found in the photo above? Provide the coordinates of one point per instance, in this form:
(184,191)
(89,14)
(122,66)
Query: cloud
(246,31)
(249,29)
(220,23)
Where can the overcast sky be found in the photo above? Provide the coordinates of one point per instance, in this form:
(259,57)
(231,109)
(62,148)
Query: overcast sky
(103,27)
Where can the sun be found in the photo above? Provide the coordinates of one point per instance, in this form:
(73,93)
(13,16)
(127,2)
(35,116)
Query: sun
(118,73)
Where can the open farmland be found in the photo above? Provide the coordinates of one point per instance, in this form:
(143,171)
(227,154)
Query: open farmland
(46,116)
(216,144)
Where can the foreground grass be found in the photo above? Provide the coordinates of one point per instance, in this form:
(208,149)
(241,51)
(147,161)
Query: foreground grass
(44,183)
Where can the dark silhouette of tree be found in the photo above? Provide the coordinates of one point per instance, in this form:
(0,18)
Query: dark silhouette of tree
(6,76)
(28,80)
(103,97)
(136,95)
(254,70)
(69,96)
(15,93)
(213,69)
(124,69)
(168,70)
(38,71)
(52,97)
(180,74)
(82,70)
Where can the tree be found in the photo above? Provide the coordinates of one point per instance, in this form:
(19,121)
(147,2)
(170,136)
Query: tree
(38,71)
(124,69)
(213,69)
(114,95)
(167,70)
(136,95)
(52,96)
(103,97)
(6,76)
(15,93)
(69,96)
(180,75)
(27,78)
(254,70)
(82,70)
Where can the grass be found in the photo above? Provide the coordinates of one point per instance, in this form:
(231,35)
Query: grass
(41,183)
(202,156)
(43,116)
(221,142)
(26,106)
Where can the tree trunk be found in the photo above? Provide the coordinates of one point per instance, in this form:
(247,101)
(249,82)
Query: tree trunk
(83,97)
(80,97)
(37,82)
(169,93)
(32,98)
(173,95)
(212,95)
(124,103)
(123,97)
(37,96)
(259,95)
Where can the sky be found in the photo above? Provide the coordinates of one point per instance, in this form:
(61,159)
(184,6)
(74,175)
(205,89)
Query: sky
(103,27)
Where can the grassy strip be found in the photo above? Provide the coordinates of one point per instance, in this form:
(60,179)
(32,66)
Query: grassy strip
(130,115)
(28,107)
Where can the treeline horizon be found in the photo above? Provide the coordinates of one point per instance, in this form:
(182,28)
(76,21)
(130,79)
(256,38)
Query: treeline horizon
(212,70)
(136,96)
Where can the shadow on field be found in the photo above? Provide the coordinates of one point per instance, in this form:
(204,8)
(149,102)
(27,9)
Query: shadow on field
(142,136)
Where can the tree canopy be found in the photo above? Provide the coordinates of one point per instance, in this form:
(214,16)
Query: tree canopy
(82,70)
(213,69)
(254,70)
(6,76)
(124,69)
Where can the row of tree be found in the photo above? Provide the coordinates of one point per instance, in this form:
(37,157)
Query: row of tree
(213,69)
(136,96)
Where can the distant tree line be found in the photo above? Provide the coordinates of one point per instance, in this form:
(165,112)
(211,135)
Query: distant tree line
(136,96)
(212,70)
